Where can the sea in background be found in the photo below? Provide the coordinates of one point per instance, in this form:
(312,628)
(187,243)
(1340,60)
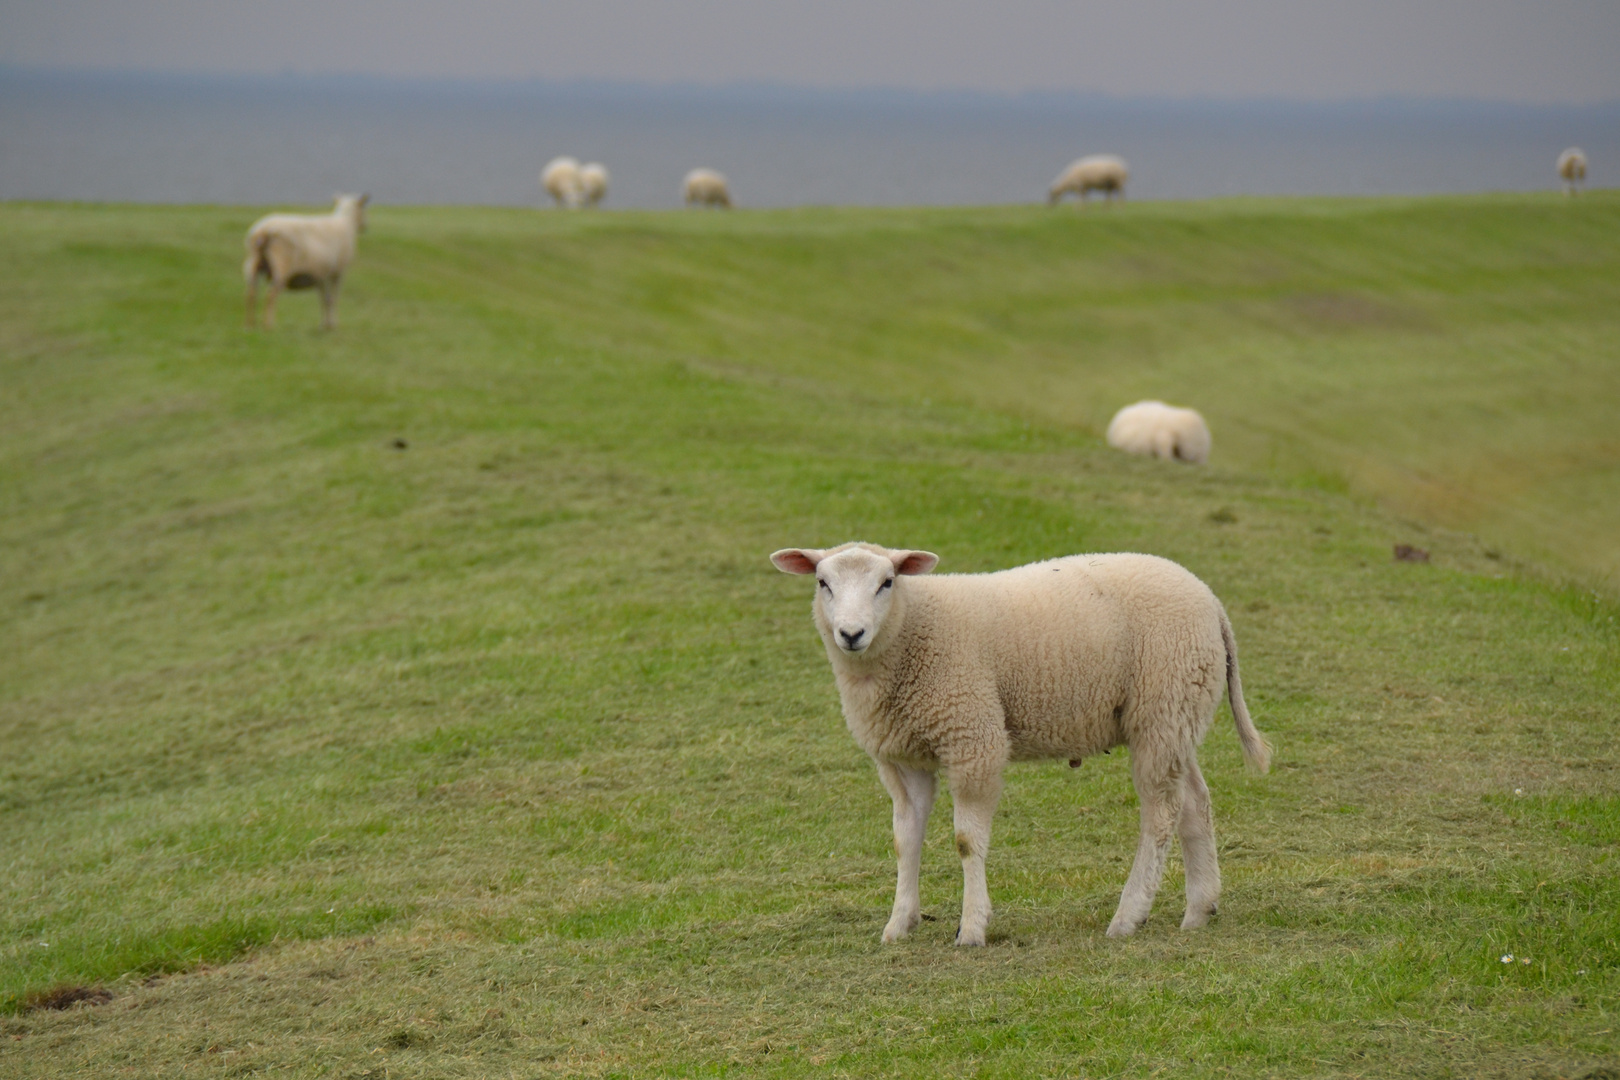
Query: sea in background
(297,139)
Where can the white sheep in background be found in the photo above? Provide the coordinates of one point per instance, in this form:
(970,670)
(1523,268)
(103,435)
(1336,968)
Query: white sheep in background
(303,251)
(561,180)
(593,183)
(1099,172)
(1159,430)
(1572,168)
(705,187)
(1060,659)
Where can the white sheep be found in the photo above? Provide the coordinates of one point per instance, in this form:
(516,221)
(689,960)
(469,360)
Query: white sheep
(705,187)
(1159,430)
(1098,172)
(1572,168)
(593,183)
(560,178)
(1060,659)
(303,251)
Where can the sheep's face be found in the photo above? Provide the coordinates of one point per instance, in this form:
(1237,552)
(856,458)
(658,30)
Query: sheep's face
(854,588)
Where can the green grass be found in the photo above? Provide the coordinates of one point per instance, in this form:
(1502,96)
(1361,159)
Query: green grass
(508,752)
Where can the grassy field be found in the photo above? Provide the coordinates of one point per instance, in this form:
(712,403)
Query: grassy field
(416,700)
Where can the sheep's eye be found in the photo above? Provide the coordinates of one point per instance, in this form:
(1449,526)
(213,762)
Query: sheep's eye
(823,583)
(886,584)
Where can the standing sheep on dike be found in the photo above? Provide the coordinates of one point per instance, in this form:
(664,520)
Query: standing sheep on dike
(1099,172)
(1572,169)
(1158,430)
(302,251)
(593,183)
(705,187)
(1068,658)
(561,180)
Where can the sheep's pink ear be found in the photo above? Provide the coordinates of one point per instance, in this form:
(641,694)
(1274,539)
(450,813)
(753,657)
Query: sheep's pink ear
(796,560)
(913,562)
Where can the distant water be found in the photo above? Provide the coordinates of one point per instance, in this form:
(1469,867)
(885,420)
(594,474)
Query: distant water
(293,140)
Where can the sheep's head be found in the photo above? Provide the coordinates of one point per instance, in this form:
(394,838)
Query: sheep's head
(354,205)
(854,587)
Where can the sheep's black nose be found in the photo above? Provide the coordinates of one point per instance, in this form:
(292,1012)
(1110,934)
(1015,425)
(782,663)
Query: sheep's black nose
(850,639)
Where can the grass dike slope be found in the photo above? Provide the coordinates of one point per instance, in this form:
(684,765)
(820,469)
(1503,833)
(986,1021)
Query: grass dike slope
(418,697)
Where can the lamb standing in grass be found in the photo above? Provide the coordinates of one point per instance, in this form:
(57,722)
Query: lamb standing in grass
(1067,659)
(302,251)
(1572,168)
(705,187)
(1159,430)
(561,180)
(1099,172)
(593,183)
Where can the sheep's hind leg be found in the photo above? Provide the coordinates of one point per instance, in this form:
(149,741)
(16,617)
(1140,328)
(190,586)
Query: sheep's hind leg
(1197,829)
(270,295)
(252,299)
(329,290)
(913,794)
(973,796)
(1158,787)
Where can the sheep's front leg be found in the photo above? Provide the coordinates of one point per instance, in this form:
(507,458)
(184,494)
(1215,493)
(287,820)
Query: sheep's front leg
(974,793)
(1158,787)
(328,304)
(913,793)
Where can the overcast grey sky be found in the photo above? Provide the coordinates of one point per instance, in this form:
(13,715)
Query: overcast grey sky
(1541,51)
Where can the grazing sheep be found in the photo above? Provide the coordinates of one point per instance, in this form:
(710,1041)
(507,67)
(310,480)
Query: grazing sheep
(1066,658)
(705,187)
(561,180)
(1159,430)
(303,251)
(593,183)
(1572,168)
(1099,172)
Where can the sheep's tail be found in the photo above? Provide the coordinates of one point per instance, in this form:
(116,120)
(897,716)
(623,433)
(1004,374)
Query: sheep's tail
(1256,750)
(256,263)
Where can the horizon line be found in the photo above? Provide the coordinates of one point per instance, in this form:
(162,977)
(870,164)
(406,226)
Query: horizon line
(784,92)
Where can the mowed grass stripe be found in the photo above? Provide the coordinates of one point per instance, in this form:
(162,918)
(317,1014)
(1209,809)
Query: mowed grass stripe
(518,733)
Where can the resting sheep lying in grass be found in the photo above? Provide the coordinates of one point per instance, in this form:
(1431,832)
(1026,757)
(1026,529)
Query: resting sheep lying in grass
(1572,168)
(303,251)
(561,180)
(1099,172)
(593,183)
(1067,659)
(705,187)
(1159,430)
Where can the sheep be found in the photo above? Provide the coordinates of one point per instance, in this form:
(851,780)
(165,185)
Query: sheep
(302,251)
(1572,168)
(1099,172)
(593,183)
(560,178)
(1066,658)
(1159,430)
(705,187)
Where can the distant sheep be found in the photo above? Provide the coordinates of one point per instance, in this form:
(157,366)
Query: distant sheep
(1572,169)
(1099,172)
(303,251)
(561,180)
(705,187)
(1159,430)
(1068,658)
(593,183)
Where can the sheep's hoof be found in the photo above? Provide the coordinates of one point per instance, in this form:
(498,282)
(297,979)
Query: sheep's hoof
(1198,917)
(969,938)
(1118,929)
(899,928)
